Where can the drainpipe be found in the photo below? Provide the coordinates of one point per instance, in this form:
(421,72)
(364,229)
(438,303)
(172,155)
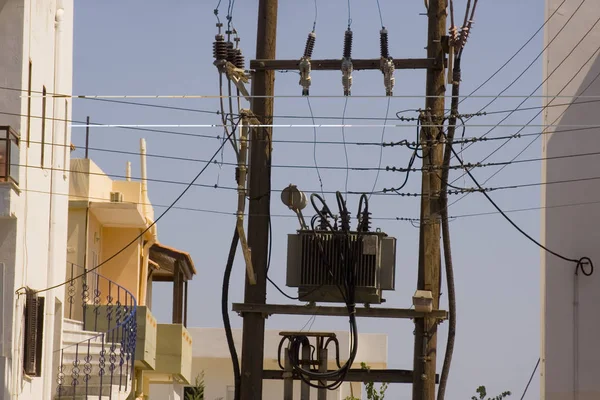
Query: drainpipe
(143,285)
(52,213)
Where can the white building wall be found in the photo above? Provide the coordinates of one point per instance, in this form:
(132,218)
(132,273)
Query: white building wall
(211,357)
(570,365)
(27,33)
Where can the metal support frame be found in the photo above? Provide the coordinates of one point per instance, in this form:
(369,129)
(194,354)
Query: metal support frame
(355,375)
(365,312)
(357,64)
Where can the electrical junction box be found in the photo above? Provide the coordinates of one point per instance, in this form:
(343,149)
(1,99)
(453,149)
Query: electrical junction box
(317,264)
(423,301)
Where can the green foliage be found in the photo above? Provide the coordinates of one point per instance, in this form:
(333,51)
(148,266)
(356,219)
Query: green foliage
(372,392)
(197,391)
(482,392)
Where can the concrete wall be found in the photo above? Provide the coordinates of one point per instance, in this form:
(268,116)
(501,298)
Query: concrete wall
(570,319)
(27,33)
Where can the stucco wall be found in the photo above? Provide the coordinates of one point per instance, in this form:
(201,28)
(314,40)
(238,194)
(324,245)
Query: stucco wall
(124,268)
(570,318)
(211,356)
(27,33)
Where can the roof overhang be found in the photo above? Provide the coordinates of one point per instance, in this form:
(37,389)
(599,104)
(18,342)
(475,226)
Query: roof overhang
(118,215)
(166,257)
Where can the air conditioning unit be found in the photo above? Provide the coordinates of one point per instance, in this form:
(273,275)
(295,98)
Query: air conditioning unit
(317,265)
(116,197)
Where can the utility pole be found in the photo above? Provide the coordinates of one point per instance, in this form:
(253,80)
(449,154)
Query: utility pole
(263,84)
(425,350)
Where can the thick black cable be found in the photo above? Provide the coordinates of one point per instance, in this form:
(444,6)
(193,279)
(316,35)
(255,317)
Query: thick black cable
(237,376)
(581,263)
(537,135)
(456,79)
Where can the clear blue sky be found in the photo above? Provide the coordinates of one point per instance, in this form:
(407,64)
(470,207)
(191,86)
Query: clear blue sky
(152,47)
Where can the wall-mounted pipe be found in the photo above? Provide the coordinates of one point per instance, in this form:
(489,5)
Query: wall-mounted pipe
(53,216)
(143,282)
(128,171)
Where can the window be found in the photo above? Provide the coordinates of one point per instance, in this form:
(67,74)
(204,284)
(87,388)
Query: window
(29,103)
(9,155)
(43,143)
(34,338)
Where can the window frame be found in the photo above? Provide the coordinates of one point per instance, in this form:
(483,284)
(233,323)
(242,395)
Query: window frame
(7,139)
(39,345)
(43,138)
(29,82)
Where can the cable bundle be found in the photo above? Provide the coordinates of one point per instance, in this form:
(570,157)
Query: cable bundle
(349,257)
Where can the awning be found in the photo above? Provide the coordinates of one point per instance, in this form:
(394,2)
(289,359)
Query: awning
(169,259)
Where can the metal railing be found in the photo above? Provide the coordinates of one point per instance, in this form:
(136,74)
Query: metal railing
(98,357)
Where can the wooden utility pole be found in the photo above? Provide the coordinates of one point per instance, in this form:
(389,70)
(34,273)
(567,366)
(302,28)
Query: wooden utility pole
(263,83)
(425,350)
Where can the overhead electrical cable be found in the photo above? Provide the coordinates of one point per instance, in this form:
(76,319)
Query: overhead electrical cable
(581,263)
(549,75)
(137,238)
(389,218)
(536,136)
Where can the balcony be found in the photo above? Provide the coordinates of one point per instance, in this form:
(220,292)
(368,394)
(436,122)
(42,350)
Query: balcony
(174,353)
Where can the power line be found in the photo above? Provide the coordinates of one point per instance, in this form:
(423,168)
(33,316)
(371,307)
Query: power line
(218,112)
(279,96)
(380,192)
(534,60)
(290,216)
(580,263)
(330,167)
(557,119)
(345,146)
(530,379)
(387,110)
(190,184)
(553,71)
(516,53)
(315,147)
(323,126)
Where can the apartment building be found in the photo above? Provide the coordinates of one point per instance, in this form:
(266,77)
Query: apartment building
(570,355)
(36,46)
(212,362)
(111,330)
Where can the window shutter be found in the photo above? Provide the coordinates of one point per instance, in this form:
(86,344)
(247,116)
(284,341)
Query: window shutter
(34,321)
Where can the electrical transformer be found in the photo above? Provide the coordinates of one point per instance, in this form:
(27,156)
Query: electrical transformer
(318,264)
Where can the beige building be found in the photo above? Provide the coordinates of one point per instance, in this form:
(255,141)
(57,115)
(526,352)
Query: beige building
(211,358)
(111,232)
(570,353)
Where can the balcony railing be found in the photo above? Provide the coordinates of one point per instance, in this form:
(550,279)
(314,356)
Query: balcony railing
(9,155)
(99,337)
